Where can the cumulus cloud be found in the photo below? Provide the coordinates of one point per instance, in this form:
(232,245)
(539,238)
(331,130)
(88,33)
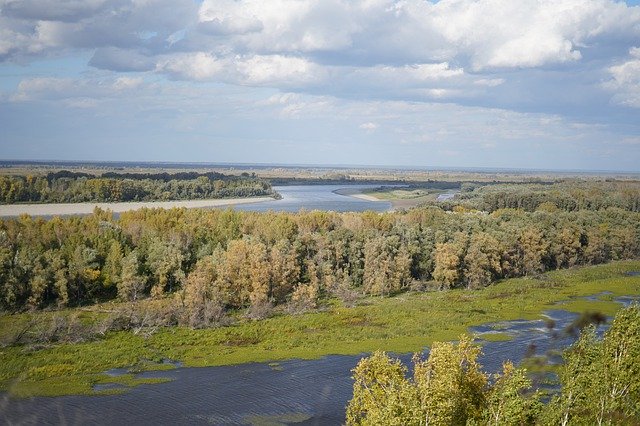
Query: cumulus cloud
(52,10)
(625,80)
(530,55)
(55,89)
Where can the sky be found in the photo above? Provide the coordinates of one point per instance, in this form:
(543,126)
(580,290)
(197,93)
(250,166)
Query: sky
(533,84)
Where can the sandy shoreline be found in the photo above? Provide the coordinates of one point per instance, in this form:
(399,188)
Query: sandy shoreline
(61,209)
(356,193)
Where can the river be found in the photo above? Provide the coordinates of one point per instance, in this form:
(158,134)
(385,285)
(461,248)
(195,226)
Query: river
(294,198)
(317,197)
(300,392)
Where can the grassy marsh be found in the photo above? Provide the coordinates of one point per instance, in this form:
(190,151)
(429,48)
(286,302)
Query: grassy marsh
(404,323)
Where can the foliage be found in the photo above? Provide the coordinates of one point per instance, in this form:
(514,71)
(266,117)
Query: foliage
(117,335)
(600,385)
(69,187)
(261,259)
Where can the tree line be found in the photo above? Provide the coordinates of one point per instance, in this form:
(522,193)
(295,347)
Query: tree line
(600,384)
(569,195)
(75,187)
(238,260)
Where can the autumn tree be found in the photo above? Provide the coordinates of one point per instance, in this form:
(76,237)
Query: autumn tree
(382,395)
(533,249)
(201,296)
(131,284)
(448,261)
(482,262)
(284,268)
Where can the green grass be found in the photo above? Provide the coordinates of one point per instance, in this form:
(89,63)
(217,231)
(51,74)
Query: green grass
(404,194)
(405,323)
(495,337)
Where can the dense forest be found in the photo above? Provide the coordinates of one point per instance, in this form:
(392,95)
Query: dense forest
(569,195)
(75,187)
(225,260)
(600,384)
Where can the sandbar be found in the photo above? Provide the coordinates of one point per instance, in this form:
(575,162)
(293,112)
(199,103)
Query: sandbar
(64,209)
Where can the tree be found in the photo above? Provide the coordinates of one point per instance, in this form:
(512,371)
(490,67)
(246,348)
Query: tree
(165,262)
(131,283)
(285,269)
(450,383)
(112,268)
(448,262)
(506,403)
(201,296)
(600,378)
(381,393)
(482,263)
(533,249)
(243,275)
(387,265)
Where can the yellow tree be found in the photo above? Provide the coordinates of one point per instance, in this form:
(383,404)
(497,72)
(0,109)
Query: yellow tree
(381,394)
(450,383)
(448,261)
(482,263)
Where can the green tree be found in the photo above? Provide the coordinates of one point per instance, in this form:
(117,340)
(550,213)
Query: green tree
(507,403)
(381,394)
(600,378)
(450,383)
(131,283)
(112,269)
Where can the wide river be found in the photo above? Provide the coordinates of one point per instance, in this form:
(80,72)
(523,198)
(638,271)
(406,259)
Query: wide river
(294,198)
(317,197)
(295,392)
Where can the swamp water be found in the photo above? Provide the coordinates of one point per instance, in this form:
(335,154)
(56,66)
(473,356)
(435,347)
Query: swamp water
(294,392)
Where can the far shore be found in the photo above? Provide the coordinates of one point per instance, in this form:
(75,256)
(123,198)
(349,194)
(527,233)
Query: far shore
(396,204)
(356,193)
(64,209)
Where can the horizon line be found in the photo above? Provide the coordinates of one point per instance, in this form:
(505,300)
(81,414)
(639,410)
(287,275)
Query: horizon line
(477,169)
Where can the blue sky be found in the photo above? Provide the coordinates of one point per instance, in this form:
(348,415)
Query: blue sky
(544,84)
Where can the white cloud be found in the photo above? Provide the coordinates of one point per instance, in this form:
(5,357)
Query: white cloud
(369,126)
(198,66)
(85,92)
(549,56)
(625,80)
(277,70)
(256,70)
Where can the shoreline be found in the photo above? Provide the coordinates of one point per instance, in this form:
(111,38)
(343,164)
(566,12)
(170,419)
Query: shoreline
(69,209)
(396,204)
(400,326)
(356,193)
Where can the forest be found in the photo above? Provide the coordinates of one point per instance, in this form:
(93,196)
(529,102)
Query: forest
(214,261)
(75,187)
(569,195)
(599,378)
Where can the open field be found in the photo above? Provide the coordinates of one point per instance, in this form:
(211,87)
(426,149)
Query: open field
(404,323)
(301,174)
(61,209)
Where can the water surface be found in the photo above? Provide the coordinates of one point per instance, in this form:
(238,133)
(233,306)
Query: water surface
(303,392)
(317,197)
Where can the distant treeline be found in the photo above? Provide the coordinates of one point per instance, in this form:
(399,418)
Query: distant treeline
(566,195)
(74,187)
(241,259)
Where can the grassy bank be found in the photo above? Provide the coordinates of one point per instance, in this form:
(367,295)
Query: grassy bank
(402,198)
(404,323)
